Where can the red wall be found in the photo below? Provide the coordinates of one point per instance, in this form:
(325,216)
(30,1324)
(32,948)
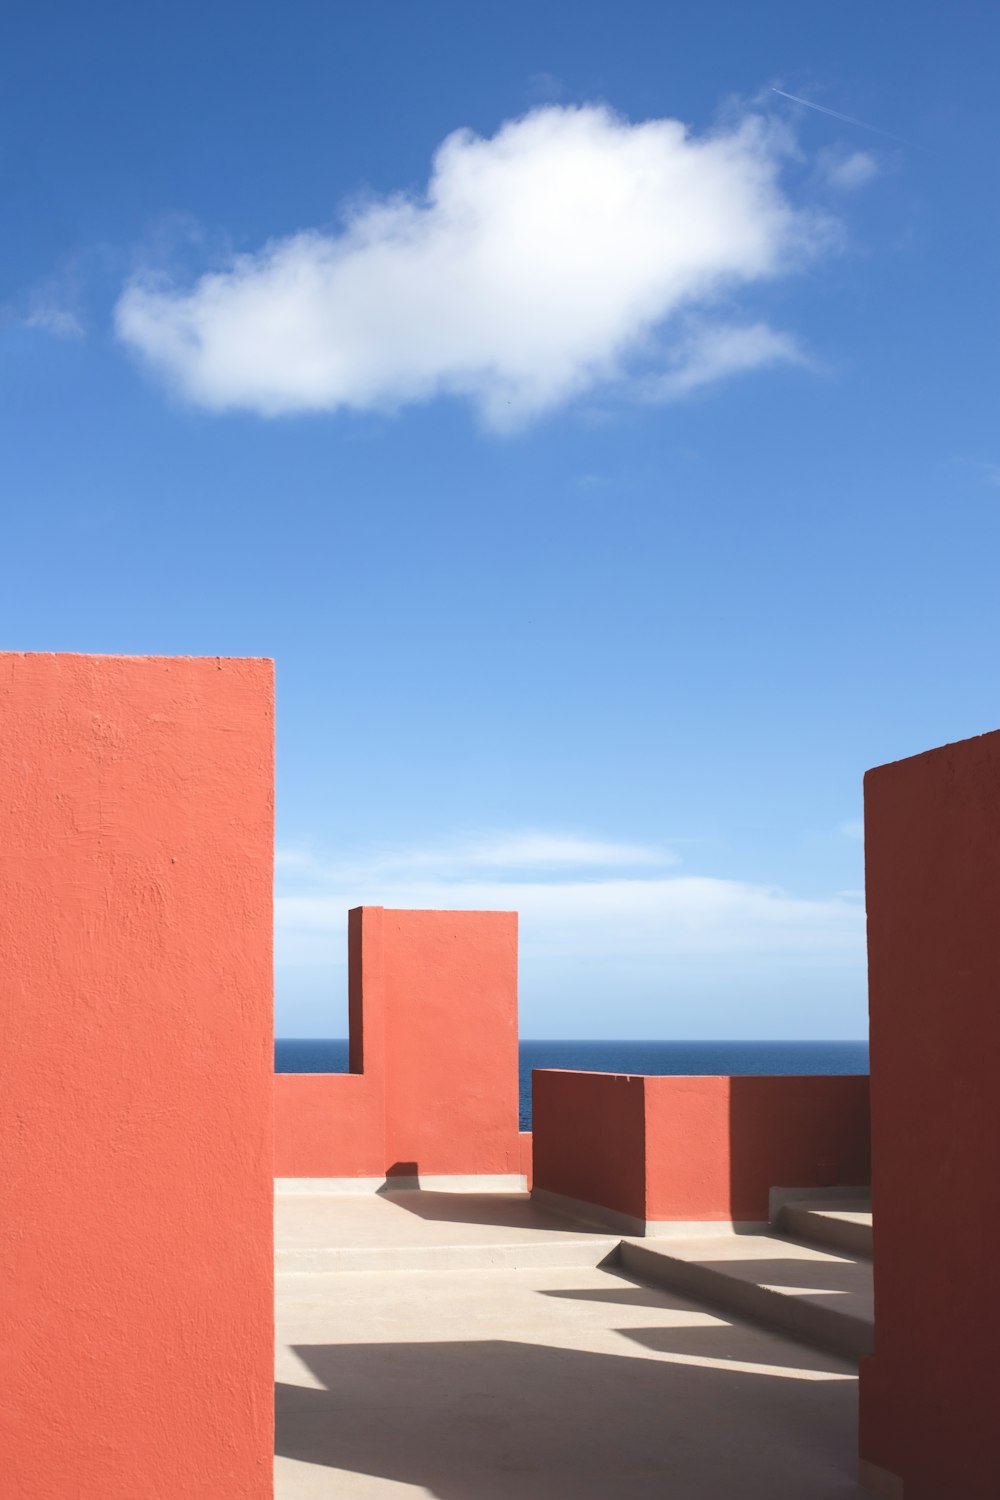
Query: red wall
(327,1125)
(696,1149)
(929,1395)
(451,1041)
(524,1139)
(136,1245)
(589,1138)
(716,1146)
(333,1124)
(433,1000)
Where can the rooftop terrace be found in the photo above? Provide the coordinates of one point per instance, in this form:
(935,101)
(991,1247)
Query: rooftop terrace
(472,1346)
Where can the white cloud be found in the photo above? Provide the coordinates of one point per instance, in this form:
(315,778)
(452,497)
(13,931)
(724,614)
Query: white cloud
(507,854)
(847,171)
(605,906)
(716,350)
(53,318)
(536,266)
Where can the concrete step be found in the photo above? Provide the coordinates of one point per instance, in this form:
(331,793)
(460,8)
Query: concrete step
(811,1295)
(836,1226)
(595,1250)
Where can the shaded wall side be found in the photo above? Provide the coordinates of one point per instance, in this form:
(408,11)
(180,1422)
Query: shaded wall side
(928,1395)
(804,1132)
(451,1042)
(588,1138)
(136,1125)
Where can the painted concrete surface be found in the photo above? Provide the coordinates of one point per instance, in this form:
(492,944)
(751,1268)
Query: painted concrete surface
(930,1395)
(689,1150)
(450,1183)
(433,1084)
(136,1057)
(546,1384)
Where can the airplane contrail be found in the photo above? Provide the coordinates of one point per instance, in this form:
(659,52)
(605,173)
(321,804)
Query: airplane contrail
(848,119)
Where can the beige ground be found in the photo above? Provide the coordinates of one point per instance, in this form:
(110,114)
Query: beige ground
(537,1383)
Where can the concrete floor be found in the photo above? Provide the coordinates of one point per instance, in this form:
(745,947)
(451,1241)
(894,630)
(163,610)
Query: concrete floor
(820,1296)
(414,1230)
(537,1382)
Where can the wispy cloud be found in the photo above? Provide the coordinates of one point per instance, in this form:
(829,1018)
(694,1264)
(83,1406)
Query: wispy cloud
(714,351)
(508,855)
(534,268)
(53,318)
(988,473)
(577,897)
(53,305)
(847,170)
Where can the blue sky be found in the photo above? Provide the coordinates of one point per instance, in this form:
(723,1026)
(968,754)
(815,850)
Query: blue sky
(611,492)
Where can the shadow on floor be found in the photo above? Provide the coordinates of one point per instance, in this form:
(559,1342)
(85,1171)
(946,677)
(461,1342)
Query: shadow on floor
(509,1210)
(629,1295)
(834,1277)
(500,1420)
(716,1342)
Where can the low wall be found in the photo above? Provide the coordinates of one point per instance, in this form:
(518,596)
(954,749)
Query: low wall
(432,1092)
(589,1140)
(715,1147)
(328,1125)
(649,1151)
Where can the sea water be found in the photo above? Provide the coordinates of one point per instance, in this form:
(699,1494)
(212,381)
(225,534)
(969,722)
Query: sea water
(689,1059)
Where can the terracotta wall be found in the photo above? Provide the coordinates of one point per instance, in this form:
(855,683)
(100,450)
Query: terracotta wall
(433,1000)
(716,1146)
(333,1124)
(695,1149)
(929,1395)
(136,1248)
(524,1139)
(588,1135)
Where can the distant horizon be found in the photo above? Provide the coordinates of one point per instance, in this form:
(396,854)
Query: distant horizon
(816,1041)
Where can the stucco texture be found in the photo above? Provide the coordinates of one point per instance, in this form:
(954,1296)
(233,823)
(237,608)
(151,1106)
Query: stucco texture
(136,1158)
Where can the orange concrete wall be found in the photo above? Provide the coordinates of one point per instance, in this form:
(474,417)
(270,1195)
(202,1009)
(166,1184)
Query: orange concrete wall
(699,1149)
(328,1125)
(451,1042)
(932,845)
(588,1138)
(333,1124)
(716,1146)
(136,1246)
(433,1004)
(524,1139)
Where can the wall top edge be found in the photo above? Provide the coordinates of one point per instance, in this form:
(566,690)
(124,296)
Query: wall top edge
(443,911)
(935,750)
(696,1077)
(8,655)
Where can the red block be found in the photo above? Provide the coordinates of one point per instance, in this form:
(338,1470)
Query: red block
(433,1085)
(931,1392)
(136,1246)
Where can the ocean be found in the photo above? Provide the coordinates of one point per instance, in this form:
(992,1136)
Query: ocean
(293,1055)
